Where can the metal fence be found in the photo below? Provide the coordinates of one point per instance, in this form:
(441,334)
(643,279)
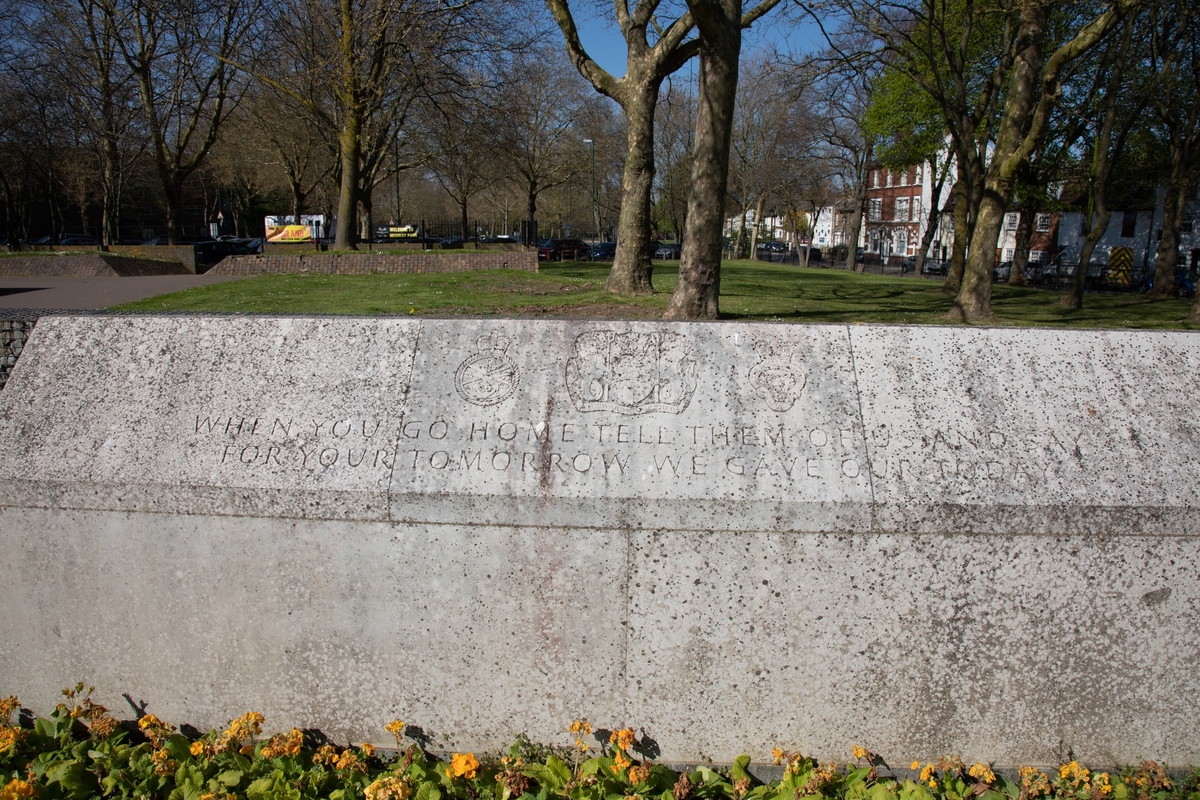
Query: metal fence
(14,332)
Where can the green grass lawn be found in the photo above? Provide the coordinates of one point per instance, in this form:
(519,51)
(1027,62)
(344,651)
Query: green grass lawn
(749,291)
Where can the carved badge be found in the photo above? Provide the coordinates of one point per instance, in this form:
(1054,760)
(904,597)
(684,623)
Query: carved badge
(488,376)
(777,377)
(631,373)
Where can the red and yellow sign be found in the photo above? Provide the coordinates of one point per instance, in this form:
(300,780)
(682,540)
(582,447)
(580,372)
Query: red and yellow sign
(289,233)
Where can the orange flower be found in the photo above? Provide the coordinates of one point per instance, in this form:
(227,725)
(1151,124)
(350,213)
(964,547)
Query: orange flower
(623,739)
(18,789)
(463,765)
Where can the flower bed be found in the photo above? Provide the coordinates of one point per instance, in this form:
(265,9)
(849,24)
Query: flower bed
(80,751)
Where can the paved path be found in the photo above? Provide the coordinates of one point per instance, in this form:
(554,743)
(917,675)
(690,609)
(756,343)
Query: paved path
(93,293)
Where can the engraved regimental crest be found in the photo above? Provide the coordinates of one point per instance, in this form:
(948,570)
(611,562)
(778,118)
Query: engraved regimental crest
(488,376)
(777,377)
(631,373)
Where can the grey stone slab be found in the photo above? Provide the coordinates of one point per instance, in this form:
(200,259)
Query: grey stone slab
(997,648)
(257,416)
(1020,431)
(640,425)
(478,633)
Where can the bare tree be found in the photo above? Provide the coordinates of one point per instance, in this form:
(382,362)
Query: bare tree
(720,24)
(647,64)
(182,54)
(543,103)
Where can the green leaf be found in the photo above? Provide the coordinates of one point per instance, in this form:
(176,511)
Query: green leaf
(231,777)
(739,772)
(426,791)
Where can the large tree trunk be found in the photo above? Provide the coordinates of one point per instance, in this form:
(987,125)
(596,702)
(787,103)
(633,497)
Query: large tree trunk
(350,145)
(856,216)
(1168,245)
(1016,277)
(962,234)
(632,269)
(933,215)
(974,301)
(1074,299)
(698,288)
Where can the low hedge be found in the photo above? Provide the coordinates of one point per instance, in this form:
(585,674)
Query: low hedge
(80,751)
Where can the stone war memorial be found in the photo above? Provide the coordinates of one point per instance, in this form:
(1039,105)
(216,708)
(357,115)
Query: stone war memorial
(730,536)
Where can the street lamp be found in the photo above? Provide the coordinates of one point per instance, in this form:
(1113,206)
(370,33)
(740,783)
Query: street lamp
(593,144)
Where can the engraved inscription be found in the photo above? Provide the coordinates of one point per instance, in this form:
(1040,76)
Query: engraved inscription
(489,376)
(777,378)
(631,373)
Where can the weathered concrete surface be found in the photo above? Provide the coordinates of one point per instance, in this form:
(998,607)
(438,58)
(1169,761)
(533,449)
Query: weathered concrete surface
(922,540)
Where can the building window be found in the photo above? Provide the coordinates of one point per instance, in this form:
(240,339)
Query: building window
(901,242)
(904,177)
(1010,221)
(902,208)
(889,177)
(916,209)
(1042,223)
(1008,254)
(1185,225)
(875,212)
(1129,225)
(1037,256)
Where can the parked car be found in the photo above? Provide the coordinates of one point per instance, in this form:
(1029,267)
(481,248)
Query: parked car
(1001,272)
(604,251)
(561,249)
(773,247)
(77,240)
(210,252)
(814,254)
(935,267)
(668,250)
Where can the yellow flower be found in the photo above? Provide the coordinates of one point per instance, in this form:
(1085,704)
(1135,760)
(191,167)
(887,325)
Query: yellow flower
(463,765)
(9,738)
(389,788)
(7,706)
(1102,784)
(639,774)
(368,749)
(155,729)
(932,783)
(162,761)
(581,726)
(348,761)
(860,752)
(916,765)
(623,738)
(326,754)
(18,789)
(395,728)
(620,762)
(103,727)
(981,773)
(777,755)
(197,749)
(927,772)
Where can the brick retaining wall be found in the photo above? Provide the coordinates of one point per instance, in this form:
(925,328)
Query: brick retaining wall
(367,263)
(91,265)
